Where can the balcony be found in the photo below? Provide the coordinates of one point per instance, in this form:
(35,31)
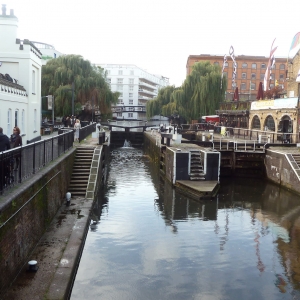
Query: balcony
(147,92)
(12,88)
(150,86)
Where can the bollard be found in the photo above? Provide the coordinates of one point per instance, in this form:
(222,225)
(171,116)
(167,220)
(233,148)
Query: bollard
(68,197)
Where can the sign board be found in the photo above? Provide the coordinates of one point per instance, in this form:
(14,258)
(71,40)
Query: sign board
(50,102)
(275,104)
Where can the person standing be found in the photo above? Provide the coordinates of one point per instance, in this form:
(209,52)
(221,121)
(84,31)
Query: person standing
(4,164)
(4,141)
(16,141)
(77,127)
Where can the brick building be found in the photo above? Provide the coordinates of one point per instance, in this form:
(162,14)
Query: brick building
(250,71)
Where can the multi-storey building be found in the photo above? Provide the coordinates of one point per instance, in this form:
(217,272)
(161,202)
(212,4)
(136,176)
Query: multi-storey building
(250,72)
(48,51)
(136,86)
(20,81)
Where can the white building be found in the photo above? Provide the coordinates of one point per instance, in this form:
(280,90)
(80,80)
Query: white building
(48,51)
(20,89)
(136,86)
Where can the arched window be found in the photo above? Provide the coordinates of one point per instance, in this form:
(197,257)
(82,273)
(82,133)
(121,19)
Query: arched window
(269,124)
(255,123)
(244,65)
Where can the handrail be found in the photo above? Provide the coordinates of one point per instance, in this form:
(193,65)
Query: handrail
(20,163)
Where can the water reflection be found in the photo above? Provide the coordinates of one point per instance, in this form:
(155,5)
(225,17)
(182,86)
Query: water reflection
(149,242)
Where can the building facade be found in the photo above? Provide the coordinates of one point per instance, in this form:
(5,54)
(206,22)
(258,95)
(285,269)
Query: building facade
(48,51)
(136,86)
(250,72)
(20,81)
(293,76)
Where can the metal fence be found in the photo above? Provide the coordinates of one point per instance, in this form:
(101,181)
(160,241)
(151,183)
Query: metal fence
(262,136)
(86,131)
(20,163)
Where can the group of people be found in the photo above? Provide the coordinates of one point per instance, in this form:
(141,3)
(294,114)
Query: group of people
(69,121)
(11,163)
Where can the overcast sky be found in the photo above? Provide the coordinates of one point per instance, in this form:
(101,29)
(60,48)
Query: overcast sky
(158,35)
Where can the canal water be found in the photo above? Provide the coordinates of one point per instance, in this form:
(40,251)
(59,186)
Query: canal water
(147,241)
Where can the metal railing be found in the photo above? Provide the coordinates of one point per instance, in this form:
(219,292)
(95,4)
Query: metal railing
(20,163)
(86,131)
(246,134)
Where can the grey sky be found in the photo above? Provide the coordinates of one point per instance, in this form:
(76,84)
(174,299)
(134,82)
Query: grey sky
(158,35)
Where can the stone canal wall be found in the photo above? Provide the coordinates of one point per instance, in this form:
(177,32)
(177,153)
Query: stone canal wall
(279,170)
(26,212)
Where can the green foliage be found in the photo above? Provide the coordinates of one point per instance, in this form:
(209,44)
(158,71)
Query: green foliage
(89,83)
(200,94)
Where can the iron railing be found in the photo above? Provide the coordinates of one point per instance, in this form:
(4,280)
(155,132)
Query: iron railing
(86,131)
(20,163)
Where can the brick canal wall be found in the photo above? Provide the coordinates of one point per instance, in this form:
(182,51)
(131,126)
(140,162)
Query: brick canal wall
(279,170)
(26,212)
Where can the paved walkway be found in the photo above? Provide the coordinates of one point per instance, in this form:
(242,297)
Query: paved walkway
(57,252)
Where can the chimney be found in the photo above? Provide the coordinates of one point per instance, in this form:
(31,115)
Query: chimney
(3,9)
(12,13)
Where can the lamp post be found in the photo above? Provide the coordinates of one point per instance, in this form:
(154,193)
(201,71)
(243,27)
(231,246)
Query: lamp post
(52,105)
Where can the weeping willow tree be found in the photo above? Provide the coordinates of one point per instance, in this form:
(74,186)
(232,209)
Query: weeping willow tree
(89,84)
(199,95)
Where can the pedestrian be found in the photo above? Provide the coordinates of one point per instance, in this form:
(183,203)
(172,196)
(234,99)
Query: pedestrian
(4,164)
(77,127)
(16,141)
(4,141)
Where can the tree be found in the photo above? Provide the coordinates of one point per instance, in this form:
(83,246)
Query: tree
(89,83)
(199,95)
(274,92)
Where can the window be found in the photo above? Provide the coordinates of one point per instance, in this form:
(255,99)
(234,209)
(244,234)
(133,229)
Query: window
(272,76)
(109,80)
(244,75)
(16,118)
(130,101)
(269,124)
(263,66)
(253,66)
(281,77)
(252,86)
(34,120)
(243,86)
(274,67)
(131,81)
(131,88)
(120,80)
(108,72)
(255,122)
(119,114)
(130,95)
(120,87)
(23,120)
(131,72)
(120,101)
(282,67)
(244,65)
(130,115)
(253,76)
(271,85)
(225,74)
(226,64)
(33,81)
(120,72)
(9,128)
(216,63)
(262,76)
